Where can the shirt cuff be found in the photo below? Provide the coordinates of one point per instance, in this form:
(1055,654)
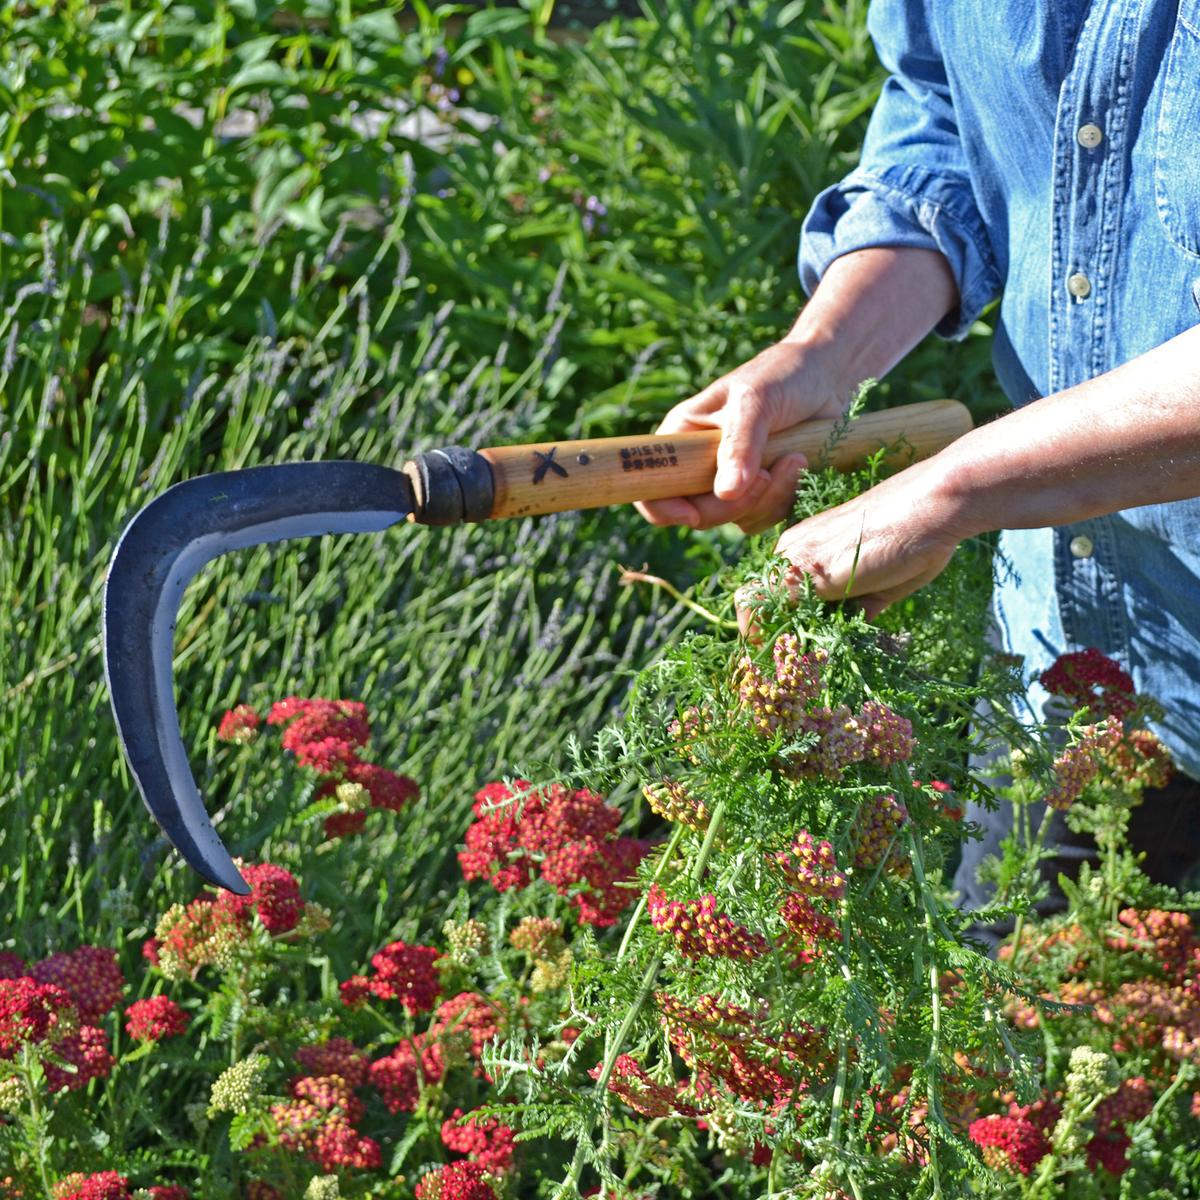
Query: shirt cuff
(905,206)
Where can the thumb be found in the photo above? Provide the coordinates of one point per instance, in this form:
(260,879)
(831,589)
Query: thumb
(743,440)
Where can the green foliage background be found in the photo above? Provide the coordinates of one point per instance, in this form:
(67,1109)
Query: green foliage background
(234,233)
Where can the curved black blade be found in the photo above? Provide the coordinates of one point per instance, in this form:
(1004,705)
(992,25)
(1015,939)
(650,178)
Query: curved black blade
(164,546)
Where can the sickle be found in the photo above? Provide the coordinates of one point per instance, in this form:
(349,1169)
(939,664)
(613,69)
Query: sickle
(195,521)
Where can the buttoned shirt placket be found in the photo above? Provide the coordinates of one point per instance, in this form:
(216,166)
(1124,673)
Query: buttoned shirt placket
(1091,159)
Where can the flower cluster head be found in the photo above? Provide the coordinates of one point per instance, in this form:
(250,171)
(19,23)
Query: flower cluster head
(338,1056)
(89,975)
(401,1076)
(541,938)
(155,1018)
(163,1191)
(467,940)
(215,930)
(87,1051)
(457,1181)
(468,1020)
(645,1095)
(326,736)
(402,972)
(788,704)
(568,837)
(483,1139)
(1091,1074)
(780,704)
(107,1185)
(323,1187)
(239,725)
(33,1013)
(1078,765)
(723,1042)
(808,927)
(46,1015)
(811,868)
(239,1088)
(699,930)
(674,802)
(1093,681)
(689,727)
(1167,936)
(319,1121)
(1009,1143)
(889,735)
(877,836)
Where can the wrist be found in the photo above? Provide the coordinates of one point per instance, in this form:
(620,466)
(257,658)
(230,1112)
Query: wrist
(956,491)
(828,361)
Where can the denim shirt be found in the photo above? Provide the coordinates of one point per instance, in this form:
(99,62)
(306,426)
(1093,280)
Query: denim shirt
(1050,149)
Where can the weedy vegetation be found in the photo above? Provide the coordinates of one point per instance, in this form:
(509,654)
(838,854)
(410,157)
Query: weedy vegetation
(586,895)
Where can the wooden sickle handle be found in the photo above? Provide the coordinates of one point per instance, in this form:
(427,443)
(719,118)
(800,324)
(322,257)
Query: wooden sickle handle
(451,485)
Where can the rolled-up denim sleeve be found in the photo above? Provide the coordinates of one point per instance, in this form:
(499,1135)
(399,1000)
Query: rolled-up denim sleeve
(912,186)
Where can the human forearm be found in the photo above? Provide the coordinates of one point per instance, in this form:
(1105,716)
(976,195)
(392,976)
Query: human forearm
(872,307)
(1124,439)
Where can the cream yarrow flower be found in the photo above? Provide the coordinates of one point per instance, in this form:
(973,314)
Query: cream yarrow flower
(549,975)
(1091,1074)
(238,1089)
(353,797)
(468,940)
(322,1187)
(12,1093)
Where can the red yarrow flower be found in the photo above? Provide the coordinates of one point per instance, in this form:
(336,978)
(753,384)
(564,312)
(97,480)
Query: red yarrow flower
(569,836)
(338,1056)
(87,1051)
(274,896)
(402,972)
(642,1093)
(32,1012)
(470,1019)
(1091,680)
(400,1076)
(153,1019)
(458,1181)
(107,1185)
(699,930)
(1009,1143)
(89,975)
(239,725)
(170,1191)
(483,1139)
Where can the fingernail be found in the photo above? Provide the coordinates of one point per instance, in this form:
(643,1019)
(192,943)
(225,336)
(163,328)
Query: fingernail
(729,482)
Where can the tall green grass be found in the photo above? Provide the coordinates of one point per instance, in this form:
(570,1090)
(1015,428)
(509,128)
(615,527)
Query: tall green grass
(477,648)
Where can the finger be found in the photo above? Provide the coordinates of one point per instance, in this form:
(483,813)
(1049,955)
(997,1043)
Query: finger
(744,432)
(675,511)
(700,411)
(714,511)
(775,502)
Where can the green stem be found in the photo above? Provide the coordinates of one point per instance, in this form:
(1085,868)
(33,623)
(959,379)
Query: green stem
(643,994)
(629,577)
(1019,927)
(641,904)
(28,1077)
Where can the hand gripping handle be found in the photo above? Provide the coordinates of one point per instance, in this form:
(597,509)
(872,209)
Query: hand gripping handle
(456,484)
